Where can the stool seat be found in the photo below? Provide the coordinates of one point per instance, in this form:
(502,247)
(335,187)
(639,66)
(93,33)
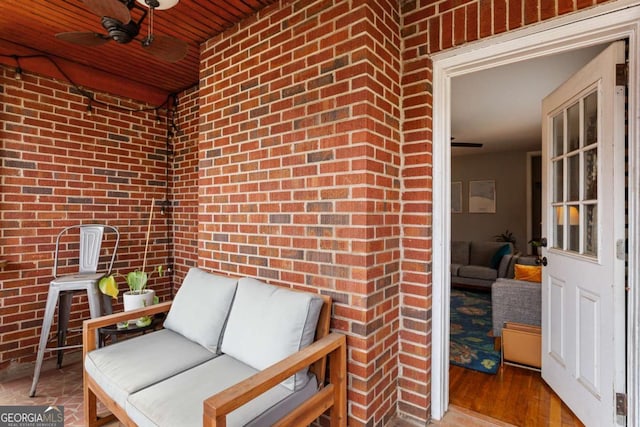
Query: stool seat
(62,288)
(74,281)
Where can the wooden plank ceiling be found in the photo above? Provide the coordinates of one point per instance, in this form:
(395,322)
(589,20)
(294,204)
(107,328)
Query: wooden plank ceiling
(29,27)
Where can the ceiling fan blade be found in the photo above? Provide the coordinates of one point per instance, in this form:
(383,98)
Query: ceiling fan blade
(166,48)
(111,8)
(467,144)
(83,38)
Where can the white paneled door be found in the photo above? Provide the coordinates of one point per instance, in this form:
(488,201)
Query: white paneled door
(583,284)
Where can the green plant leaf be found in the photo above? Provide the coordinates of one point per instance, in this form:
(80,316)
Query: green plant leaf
(160,271)
(143,321)
(108,286)
(137,280)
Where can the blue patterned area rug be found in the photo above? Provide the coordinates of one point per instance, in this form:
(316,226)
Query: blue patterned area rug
(471,324)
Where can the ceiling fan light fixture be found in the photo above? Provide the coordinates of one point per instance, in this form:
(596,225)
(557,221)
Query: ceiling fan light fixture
(158,4)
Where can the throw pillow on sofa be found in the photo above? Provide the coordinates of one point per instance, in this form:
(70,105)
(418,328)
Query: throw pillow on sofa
(497,257)
(529,273)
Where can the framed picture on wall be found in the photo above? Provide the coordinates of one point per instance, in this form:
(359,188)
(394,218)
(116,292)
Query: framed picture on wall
(482,196)
(456,197)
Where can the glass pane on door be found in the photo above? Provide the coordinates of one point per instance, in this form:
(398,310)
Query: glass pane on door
(591,230)
(573,181)
(591,119)
(558,135)
(574,175)
(591,174)
(558,227)
(572,221)
(558,181)
(573,127)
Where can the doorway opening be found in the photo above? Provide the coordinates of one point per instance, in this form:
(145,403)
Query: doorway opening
(499,110)
(596,26)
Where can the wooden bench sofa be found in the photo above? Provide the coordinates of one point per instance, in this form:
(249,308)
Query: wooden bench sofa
(232,352)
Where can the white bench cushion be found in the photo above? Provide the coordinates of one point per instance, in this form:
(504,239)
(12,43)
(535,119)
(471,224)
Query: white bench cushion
(268,323)
(178,401)
(131,365)
(201,306)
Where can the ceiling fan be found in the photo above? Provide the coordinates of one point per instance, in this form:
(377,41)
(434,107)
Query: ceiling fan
(121,28)
(466,144)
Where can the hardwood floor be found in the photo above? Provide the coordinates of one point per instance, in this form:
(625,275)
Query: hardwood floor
(514,395)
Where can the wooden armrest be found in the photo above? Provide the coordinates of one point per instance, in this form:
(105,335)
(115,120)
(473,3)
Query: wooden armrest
(111,319)
(90,326)
(221,404)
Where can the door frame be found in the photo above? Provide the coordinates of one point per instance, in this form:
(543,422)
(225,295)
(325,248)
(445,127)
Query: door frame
(530,156)
(611,21)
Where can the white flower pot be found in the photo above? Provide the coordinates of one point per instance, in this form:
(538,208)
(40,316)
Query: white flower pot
(135,301)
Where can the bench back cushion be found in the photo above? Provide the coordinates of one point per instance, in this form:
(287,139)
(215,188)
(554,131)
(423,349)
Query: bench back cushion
(201,306)
(268,323)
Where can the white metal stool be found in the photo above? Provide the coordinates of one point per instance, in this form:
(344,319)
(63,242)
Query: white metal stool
(61,288)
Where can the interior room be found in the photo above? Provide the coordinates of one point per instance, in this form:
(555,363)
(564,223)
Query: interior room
(498,113)
(497,133)
(262,171)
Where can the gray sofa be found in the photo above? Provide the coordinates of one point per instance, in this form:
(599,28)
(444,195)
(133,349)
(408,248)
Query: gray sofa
(232,352)
(516,300)
(480,263)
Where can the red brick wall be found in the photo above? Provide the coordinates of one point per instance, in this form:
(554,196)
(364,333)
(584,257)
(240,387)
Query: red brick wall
(62,167)
(414,359)
(300,170)
(304,159)
(184,184)
(429,27)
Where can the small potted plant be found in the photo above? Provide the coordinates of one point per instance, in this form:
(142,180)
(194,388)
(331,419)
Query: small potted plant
(138,295)
(536,244)
(507,236)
